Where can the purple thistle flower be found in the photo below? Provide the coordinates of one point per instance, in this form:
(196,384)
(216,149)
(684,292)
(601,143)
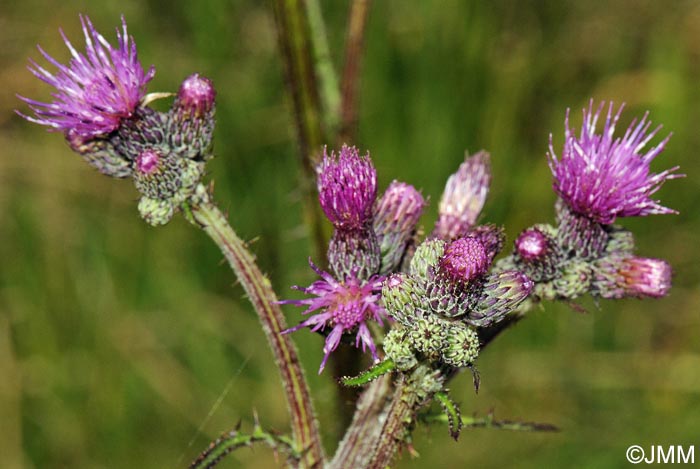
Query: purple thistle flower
(464,197)
(345,307)
(602,177)
(347,188)
(97,90)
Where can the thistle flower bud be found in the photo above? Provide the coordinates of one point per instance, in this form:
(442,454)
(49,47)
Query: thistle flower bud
(354,253)
(461,346)
(579,235)
(426,258)
(446,297)
(574,281)
(165,181)
(428,335)
(191,120)
(395,222)
(100,154)
(404,298)
(538,253)
(502,293)
(347,188)
(492,237)
(464,197)
(464,260)
(398,348)
(196,96)
(619,276)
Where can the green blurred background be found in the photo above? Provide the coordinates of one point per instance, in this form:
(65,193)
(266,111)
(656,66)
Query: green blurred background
(117,339)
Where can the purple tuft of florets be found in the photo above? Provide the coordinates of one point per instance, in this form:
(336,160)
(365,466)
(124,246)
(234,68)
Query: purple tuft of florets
(464,260)
(646,277)
(196,95)
(464,197)
(96,90)
(603,177)
(344,307)
(347,188)
(532,244)
(148,161)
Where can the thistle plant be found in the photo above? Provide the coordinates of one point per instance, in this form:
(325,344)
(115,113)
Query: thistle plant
(423,307)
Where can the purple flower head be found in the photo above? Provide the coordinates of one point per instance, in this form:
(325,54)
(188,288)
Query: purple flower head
(345,307)
(464,197)
(464,260)
(96,90)
(347,188)
(196,95)
(603,177)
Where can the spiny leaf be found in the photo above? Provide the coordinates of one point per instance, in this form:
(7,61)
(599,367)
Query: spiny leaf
(451,410)
(228,442)
(490,422)
(367,376)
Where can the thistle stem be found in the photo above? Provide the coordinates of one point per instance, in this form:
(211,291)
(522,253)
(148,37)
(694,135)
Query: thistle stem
(203,213)
(296,45)
(351,73)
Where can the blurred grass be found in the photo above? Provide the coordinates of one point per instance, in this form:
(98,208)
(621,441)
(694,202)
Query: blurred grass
(116,339)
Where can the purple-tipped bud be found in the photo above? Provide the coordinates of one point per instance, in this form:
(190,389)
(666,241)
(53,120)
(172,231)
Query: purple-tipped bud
(347,188)
(502,293)
(147,162)
(196,95)
(464,197)
(191,120)
(620,276)
(97,90)
(647,277)
(404,298)
(603,177)
(464,260)
(397,215)
(532,245)
(537,252)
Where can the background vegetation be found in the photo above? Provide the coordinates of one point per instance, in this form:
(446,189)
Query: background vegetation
(123,345)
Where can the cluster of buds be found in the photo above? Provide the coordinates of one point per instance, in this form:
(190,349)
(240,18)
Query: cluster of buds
(101,108)
(598,179)
(445,297)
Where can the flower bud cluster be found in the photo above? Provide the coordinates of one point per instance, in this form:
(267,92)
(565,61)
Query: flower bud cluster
(598,178)
(446,295)
(101,107)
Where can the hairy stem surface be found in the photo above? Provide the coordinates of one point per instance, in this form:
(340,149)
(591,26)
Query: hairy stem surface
(204,214)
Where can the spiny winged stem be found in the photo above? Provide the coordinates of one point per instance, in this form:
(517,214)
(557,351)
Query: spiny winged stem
(202,212)
(382,421)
